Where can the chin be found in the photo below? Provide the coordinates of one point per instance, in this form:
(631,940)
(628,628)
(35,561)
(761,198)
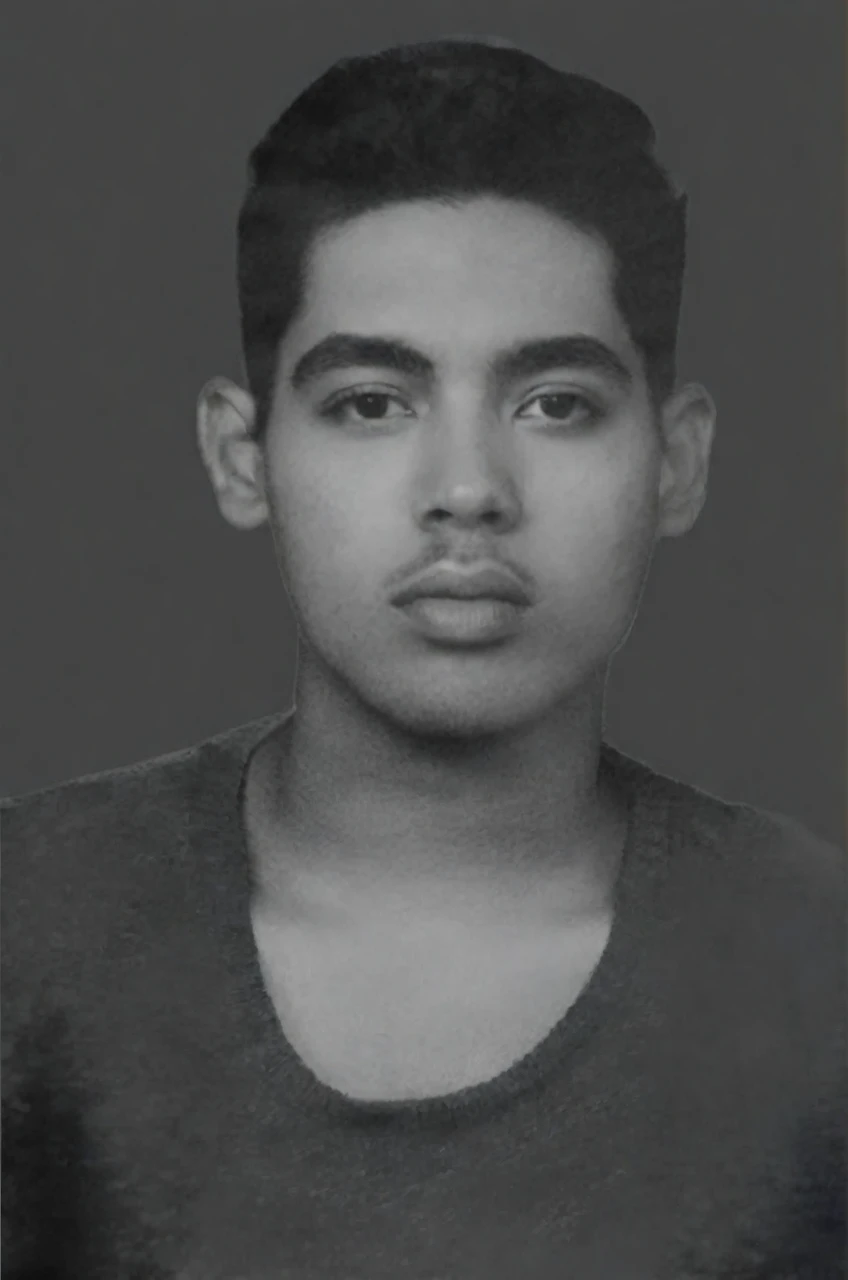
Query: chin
(455,725)
(458,711)
(458,698)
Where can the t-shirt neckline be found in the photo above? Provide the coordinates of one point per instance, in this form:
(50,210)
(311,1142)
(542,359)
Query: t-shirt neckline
(603,998)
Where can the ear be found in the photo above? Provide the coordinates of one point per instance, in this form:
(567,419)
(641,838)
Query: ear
(688,426)
(225,418)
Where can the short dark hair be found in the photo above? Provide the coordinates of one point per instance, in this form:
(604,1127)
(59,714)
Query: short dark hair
(450,120)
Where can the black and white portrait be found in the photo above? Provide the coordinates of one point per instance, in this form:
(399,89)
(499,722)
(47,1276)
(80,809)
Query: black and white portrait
(423,844)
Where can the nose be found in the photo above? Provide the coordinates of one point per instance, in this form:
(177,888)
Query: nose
(467,476)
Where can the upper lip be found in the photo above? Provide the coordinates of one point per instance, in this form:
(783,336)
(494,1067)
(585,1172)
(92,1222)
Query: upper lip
(472,582)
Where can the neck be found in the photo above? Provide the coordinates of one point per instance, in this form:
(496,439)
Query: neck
(347,800)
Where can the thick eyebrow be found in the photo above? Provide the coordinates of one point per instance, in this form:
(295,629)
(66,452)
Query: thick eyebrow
(574,351)
(350,350)
(525,360)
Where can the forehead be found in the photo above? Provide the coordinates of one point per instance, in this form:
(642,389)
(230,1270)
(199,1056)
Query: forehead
(459,278)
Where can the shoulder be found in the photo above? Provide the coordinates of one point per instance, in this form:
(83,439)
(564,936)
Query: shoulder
(47,833)
(80,857)
(750,898)
(743,932)
(730,852)
(757,906)
(69,856)
(755,854)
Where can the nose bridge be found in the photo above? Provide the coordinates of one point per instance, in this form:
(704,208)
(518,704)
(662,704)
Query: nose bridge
(469,464)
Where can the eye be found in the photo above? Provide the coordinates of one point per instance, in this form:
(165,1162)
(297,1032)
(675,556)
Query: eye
(364,406)
(568,408)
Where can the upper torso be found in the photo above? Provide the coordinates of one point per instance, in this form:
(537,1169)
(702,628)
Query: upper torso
(681,1116)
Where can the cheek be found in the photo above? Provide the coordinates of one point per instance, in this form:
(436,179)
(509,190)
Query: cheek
(333,533)
(600,524)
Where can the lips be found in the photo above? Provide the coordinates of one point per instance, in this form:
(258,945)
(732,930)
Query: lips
(487,581)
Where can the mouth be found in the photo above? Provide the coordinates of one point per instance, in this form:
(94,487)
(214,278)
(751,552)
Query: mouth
(487,581)
(464,620)
(462,605)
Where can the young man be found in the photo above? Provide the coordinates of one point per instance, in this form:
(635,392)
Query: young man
(425,978)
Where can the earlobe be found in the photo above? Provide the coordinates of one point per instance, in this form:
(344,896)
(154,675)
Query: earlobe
(688,430)
(232,458)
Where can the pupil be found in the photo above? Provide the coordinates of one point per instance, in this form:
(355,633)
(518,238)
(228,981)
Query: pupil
(372,405)
(557,406)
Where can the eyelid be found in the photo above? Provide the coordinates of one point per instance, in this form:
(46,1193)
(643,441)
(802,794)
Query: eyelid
(367,389)
(351,379)
(578,393)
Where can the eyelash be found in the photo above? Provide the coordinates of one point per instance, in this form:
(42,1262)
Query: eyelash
(335,409)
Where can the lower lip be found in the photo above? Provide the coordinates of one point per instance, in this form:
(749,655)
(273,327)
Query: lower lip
(464,621)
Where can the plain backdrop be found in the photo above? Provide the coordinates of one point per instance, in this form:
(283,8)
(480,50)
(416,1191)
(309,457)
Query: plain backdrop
(136,621)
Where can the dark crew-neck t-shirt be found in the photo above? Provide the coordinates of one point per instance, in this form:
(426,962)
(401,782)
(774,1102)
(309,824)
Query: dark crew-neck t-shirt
(685,1118)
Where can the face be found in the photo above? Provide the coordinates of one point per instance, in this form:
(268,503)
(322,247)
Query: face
(486,403)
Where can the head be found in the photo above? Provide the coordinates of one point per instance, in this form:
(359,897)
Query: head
(460,276)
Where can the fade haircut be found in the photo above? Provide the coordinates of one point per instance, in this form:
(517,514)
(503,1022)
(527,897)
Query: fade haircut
(448,121)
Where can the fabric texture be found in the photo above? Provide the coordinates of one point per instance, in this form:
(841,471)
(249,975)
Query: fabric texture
(685,1118)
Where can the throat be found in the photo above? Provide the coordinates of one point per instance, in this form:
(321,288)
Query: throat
(521,891)
(490,831)
(556,870)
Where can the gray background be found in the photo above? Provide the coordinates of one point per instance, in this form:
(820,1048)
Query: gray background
(136,621)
